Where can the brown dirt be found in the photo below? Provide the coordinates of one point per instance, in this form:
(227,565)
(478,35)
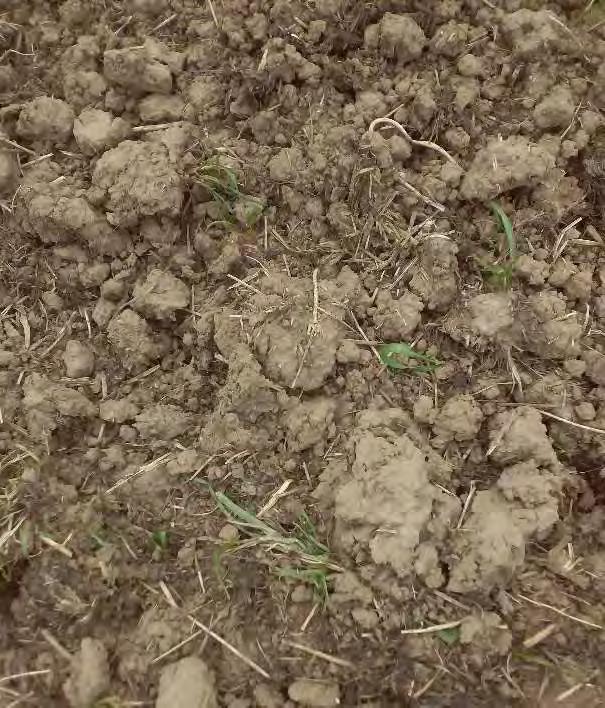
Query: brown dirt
(168,336)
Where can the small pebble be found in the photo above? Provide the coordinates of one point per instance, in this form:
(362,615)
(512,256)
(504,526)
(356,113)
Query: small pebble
(103,312)
(575,367)
(317,693)
(113,289)
(228,533)
(128,433)
(53,301)
(586,411)
(78,359)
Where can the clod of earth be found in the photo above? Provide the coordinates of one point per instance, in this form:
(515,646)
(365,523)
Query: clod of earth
(187,683)
(59,211)
(388,503)
(523,505)
(396,36)
(160,295)
(47,120)
(316,693)
(146,69)
(133,339)
(134,180)
(503,165)
(90,678)
(96,131)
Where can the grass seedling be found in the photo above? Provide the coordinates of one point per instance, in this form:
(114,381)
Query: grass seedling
(317,578)
(500,275)
(300,553)
(449,636)
(97,542)
(219,570)
(160,540)
(401,356)
(221,182)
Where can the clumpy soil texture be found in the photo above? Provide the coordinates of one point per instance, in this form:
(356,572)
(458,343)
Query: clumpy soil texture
(217,486)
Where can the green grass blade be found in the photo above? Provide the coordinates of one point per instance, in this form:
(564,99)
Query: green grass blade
(231,182)
(221,182)
(317,578)
(310,556)
(506,226)
(240,515)
(499,276)
(308,537)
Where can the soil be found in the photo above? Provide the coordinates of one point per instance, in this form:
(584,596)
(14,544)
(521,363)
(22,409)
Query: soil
(216,487)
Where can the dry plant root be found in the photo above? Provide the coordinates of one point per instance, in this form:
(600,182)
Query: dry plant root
(420,143)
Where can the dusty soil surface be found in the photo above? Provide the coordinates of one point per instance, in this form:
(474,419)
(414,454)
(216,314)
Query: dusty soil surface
(216,489)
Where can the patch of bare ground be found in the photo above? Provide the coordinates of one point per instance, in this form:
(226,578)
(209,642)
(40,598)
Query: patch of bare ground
(302,356)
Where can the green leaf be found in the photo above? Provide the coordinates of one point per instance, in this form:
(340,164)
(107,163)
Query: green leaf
(399,355)
(249,210)
(220,181)
(499,276)
(506,226)
(160,539)
(449,636)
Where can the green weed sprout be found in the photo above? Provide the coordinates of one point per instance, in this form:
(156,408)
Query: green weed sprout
(500,275)
(450,636)
(221,182)
(317,578)
(160,540)
(401,356)
(309,558)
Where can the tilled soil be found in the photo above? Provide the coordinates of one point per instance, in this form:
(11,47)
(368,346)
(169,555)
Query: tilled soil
(218,489)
